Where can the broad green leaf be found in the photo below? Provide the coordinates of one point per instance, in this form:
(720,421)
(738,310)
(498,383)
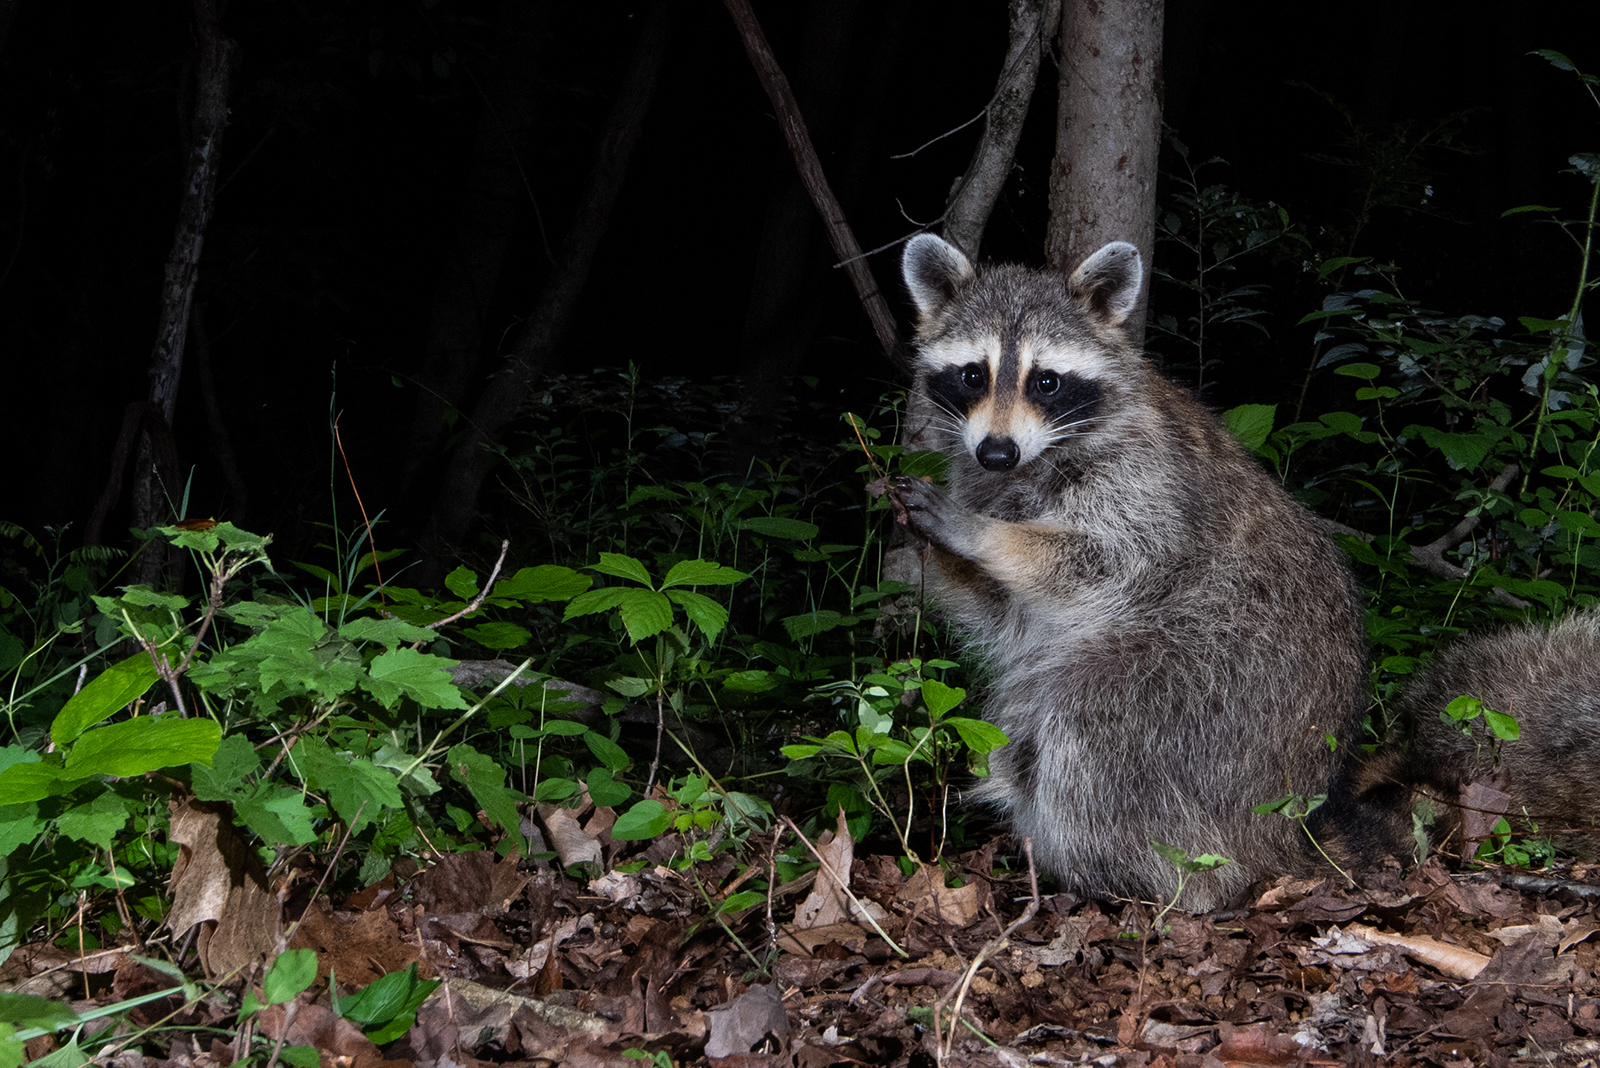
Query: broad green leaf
(606,751)
(499,635)
(105,695)
(744,899)
(546,582)
(28,1010)
(646,819)
(145,597)
(1465,451)
(96,821)
(358,790)
(629,686)
(485,779)
(34,780)
(419,676)
(300,1057)
(777,527)
(809,623)
(705,613)
(605,790)
(462,582)
(702,573)
(644,614)
(390,632)
(1367,371)
(751,681)
(979,736)
(1251,423)
(623,567)
(800,752)
(602,600)
(941,698)
(1505,727)
(19,825)
(279,815)
(148,743)
(223,779)
(294,970)
(565,727)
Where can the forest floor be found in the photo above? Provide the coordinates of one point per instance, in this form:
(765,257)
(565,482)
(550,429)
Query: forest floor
(647,966)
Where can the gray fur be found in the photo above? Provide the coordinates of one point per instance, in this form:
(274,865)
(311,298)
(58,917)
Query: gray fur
(1549,679)
(1171,635)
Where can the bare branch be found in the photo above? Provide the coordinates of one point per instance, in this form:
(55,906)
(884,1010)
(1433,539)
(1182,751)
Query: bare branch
(1430,557)
(1033,24)
(816,182)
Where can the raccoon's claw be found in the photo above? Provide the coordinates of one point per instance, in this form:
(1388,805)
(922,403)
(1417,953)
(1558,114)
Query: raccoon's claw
(923,506)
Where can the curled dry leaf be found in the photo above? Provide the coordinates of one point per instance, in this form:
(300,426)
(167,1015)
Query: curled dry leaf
(1451,960)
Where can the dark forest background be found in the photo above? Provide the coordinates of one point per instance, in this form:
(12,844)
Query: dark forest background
(365,139)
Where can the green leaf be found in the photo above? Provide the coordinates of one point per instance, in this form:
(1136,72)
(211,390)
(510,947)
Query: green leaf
(485,779)
(702,573)
(623,567)
(809,623)
(751,681)
(27,1010)
(705,613)
(358,789)
(602,600)
(744,899)
(105,695)
(941,698)
(1465,451)
(1251,423)
(388,998)
(800,752)
(546,582)
(300,1057)
(605,790)
(645,613)
(646,819)
(223,779)
(19,825)
(294,970)
(606,751)
(148,743)
(1504,727)
(462,582)
(629,686)
(390,632)
(1335,263)
(96,821)
(564,727)
(979,736)
(777,527)
(1367,371)
(279,815)
(419,676)
(33,780)
(1555,59)
(499,635)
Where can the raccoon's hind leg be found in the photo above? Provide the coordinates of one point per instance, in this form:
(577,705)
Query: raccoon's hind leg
(1029,559)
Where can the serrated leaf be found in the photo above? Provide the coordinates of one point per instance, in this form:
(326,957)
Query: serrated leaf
(623,567)
(96,821)
(595,601)
(417,675)
(499,635)
(223,779)
(547,582)
(279,815)
(751,681)
(104,696)
(485,779)
(779,527)
(645,613)
(389,632)
(701,573)
(702,611)
(148,743)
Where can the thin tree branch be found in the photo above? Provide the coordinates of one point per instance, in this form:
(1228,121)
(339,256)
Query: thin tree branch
(816,182)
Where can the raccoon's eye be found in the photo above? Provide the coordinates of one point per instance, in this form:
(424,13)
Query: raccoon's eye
(973,376)
(1047,383)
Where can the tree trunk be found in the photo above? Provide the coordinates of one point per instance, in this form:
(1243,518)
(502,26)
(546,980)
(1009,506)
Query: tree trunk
(496,189)
(1033,25)
(215,56)
(1108,131)
(456,504)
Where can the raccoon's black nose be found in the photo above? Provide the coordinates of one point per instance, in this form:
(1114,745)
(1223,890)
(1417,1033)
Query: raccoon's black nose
(998,454)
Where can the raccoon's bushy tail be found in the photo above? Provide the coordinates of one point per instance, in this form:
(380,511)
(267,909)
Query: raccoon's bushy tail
(1548,679)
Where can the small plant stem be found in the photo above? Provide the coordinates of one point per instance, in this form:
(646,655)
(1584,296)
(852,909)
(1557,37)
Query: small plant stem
(1324,852)
(859,907)
(468,714)
(287,936)
(993,945)
(661,728)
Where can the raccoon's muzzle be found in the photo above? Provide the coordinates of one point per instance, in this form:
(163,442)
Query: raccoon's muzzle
(998,454)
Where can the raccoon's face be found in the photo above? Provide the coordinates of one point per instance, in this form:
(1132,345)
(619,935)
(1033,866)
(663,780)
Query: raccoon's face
(1015,360)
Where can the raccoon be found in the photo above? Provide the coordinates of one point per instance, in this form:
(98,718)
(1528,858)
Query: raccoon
(1549,680)
(1173,639)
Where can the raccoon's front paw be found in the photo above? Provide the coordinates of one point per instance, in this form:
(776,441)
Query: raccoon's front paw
(924,507)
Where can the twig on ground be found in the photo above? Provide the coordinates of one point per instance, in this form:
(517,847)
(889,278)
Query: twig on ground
(476,602)
(840,883)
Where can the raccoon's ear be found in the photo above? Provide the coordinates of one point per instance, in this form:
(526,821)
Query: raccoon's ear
(934,269)
(1109,281)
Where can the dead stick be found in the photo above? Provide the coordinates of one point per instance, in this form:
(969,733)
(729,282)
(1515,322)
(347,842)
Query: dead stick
(816,183)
